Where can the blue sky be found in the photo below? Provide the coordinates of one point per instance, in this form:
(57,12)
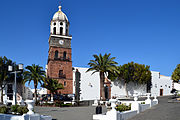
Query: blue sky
(143,31)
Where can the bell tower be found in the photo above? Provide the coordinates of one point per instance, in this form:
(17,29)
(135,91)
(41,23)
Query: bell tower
(59,65)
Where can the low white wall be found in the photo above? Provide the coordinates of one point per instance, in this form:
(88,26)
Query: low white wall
(154,103)
(130,102)
(143,107)
(127,114)
(24,117)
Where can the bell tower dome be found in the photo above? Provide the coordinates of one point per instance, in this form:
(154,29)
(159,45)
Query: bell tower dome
(59,23)
(59,64)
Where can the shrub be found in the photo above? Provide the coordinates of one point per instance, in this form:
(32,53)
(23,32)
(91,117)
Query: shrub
(48,104)
(66,105)
(142,102)
(123,107)
(59,103)
(14,108)
(3,109)
(22,110)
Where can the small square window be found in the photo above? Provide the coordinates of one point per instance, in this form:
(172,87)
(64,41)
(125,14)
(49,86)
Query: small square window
(64,83)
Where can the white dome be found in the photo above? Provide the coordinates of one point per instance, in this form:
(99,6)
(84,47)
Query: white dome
(59,15)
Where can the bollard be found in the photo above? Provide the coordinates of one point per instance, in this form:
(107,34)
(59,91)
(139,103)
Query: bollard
(98,109)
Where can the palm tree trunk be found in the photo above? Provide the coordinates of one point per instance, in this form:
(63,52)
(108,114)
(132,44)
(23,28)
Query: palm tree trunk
(102,93)
(35,93)
(125,87)
(1,94)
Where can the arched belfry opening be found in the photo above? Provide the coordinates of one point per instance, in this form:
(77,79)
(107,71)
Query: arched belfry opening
(61,30)
(54,30)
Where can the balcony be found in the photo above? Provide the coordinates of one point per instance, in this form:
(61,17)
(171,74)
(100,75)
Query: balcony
(62,76)
(62,59)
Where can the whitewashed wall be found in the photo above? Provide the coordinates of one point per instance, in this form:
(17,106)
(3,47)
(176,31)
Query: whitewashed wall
(90,84)
(118,89)
(177,86)
(160,82)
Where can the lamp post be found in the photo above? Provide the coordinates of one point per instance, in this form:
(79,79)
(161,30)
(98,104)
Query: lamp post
(10,68)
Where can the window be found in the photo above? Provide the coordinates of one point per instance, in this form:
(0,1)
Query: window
(64,83)
(10,91)
(64,55)
(54,30)
(61,75)
(54,23)
(60,72)
(66,31)
(61,30)
(56,54)
(169,87)
(61,23)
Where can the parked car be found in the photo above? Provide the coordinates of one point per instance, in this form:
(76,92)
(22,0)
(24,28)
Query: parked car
(65,97)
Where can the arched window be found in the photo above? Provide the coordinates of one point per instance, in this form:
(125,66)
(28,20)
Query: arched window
(61,30)
(60,73)
(54,30)
(61,23)
(56,54)
(64,55)
(66,31)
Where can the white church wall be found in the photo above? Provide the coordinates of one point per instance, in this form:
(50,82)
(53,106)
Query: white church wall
(160,82)
(177,86)
(90,84)
(118,89)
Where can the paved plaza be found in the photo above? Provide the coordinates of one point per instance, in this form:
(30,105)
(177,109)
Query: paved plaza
(68,113)
(162,111)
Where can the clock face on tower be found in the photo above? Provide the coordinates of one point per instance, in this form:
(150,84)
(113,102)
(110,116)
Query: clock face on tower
(61,42)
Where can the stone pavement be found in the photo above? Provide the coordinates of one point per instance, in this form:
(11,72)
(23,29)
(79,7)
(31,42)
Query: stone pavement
(68,113)
(162,111)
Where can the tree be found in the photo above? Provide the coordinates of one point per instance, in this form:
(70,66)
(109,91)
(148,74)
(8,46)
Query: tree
(36,74)
(52,85)
(4,74)
(176,74)
(103,65)
(134,72)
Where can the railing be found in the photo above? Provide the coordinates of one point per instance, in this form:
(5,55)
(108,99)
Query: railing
(62,76)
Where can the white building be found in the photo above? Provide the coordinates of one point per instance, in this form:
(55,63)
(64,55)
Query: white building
(177,86)
(28,93)
(161,85)
(90,86)
(9,92)
(40,91)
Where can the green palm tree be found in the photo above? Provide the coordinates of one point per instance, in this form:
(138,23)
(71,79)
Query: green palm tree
(4,74)
(103,65)
(52,85)
(35,74)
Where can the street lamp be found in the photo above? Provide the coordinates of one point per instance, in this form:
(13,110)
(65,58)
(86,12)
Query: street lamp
(10,68)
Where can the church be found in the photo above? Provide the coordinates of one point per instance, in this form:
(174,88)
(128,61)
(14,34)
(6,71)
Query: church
(75,79)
